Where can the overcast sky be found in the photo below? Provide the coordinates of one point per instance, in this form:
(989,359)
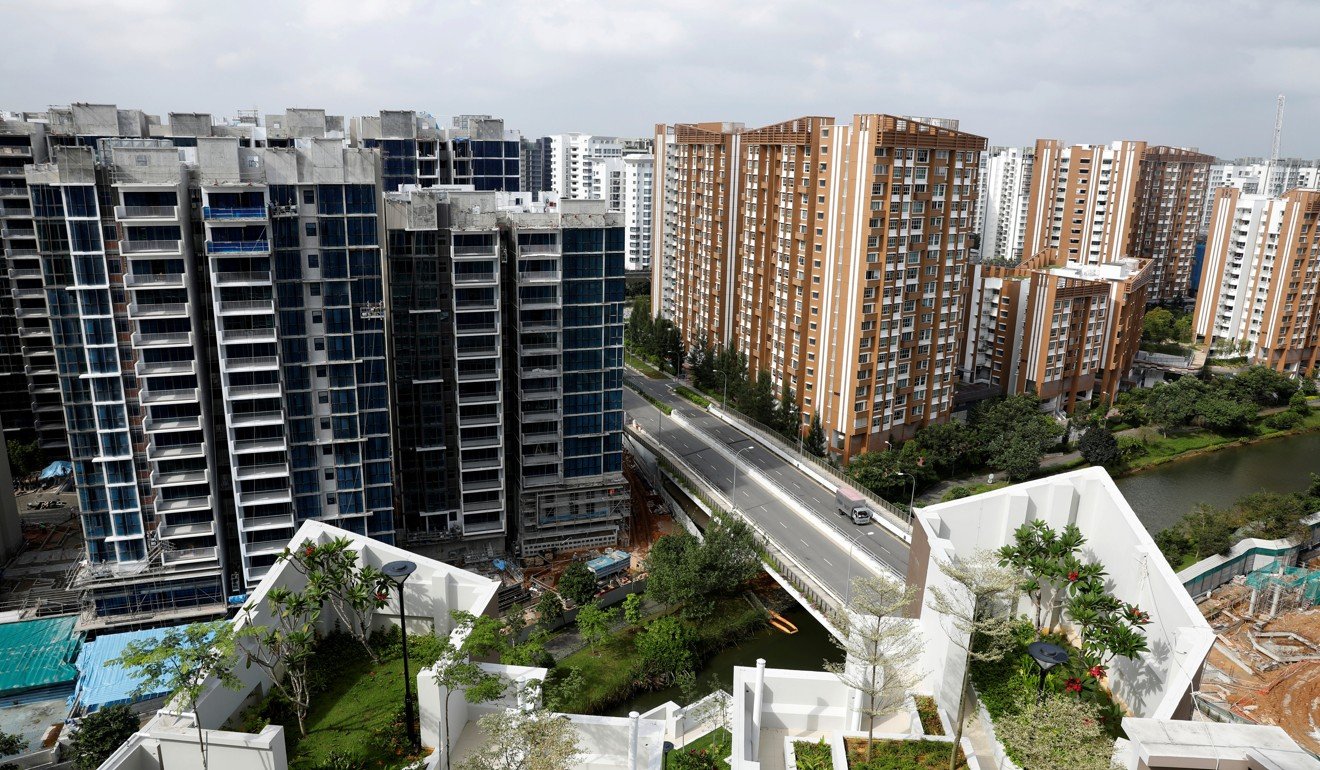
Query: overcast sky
(1202,73)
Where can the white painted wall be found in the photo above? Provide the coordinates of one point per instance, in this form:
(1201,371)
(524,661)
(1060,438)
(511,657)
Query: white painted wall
(1155,683)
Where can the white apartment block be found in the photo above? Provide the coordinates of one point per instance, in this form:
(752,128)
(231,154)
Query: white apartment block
(638,182)
(1259,278)
(571,173)
(1001,211)
(1246,174)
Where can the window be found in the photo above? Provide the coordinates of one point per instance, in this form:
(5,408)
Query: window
(310,229)
(309,195)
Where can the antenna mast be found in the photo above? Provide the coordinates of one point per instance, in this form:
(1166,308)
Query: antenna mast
(1274,147)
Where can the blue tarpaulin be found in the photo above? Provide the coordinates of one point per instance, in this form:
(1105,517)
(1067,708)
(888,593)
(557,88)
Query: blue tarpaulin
(57,469)
(102,684)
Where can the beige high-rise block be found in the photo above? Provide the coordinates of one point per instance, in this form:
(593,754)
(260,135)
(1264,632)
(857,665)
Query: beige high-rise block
(832,254)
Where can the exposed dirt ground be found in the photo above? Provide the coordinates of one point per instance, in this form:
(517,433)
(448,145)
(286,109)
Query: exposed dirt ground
(1251,684)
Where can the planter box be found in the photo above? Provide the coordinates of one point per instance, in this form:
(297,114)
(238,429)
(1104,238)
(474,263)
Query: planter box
(841,751)
(837,757)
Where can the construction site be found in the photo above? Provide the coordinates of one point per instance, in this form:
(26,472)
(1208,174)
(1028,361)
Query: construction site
(1265,665)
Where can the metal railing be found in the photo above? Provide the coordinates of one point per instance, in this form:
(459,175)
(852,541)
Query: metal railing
(237,247)
(148,247)
(229,335)
(235,305)
(221,212)
(134,280)
(242,277)
(188,554)
(146,212)
(254,362)
(168,308)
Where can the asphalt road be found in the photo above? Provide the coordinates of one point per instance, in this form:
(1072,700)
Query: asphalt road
(709,446)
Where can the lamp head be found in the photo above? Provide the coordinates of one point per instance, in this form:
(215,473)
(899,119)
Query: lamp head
(1047,655)
(398,571)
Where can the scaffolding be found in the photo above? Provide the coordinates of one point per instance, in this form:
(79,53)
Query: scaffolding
(1284,587)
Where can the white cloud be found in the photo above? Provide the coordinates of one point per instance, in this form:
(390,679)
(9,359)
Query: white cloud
(1172,71)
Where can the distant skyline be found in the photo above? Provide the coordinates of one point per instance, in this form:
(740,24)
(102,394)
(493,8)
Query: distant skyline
(1199,74)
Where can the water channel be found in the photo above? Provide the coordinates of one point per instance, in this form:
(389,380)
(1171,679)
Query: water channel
(1162,495)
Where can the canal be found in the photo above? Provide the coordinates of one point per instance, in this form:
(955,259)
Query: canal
(808,649)
(1163,495)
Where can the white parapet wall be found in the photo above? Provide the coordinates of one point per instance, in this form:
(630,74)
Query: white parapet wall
(1156,684)
(433,591)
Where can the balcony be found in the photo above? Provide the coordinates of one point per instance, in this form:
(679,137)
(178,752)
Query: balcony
(174,451)
(468,279)
(141,340)
(163,424)
(262,390)
(199,503)
(237,247)
(273,417)
(198,529)
(189,555)
(248,335)
(478,398)
(477,328)
(262,471)
(264,497)
(251,364)
(480,443)
(176,396)
(255,523)
(164,310)
(538,276)
(269,444)
(265,547)
(482,464)
(124,213)
(476,376)
(154,280)
(178,478)
(221,213)
(539,348)
(246,306)
(483,485)
(484,351)
(150,247)
(251,278)
(153,368)
(18,232)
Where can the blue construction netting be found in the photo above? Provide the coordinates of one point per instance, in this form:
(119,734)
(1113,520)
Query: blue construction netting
(101,683)
(37,653)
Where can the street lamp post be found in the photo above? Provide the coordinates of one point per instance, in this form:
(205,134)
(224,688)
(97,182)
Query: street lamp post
(735,476)
(852,544)
(912,498)
(397,572)
(1047,656)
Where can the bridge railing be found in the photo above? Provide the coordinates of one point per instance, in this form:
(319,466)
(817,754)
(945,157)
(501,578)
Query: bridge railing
(805,580)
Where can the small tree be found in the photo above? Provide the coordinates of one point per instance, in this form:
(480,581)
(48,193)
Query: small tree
(520,740)
(882,654)
(632,609)
(593,623)
(456,670)
(815,441)
(1099,447)
(578,583)
(11,744)
(100,733)
(182,661)
(665,647)
(550,607)
(353,591)
(283,647)
(974,626)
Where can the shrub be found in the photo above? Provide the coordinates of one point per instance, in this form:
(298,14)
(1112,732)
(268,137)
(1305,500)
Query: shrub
(1285,420)
(100,733)
(813,756)
(578,583)
(693,396)
(930,717)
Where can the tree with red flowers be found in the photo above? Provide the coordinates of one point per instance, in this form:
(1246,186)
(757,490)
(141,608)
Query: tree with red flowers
(1048,561)
(352,589)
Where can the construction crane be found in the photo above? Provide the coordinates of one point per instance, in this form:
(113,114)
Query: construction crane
(1274,147)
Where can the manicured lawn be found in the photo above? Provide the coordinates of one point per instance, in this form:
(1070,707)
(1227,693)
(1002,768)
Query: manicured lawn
(972,489)
(706,743)
(893,755)
(345,719)
(643,367)
(610,672)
